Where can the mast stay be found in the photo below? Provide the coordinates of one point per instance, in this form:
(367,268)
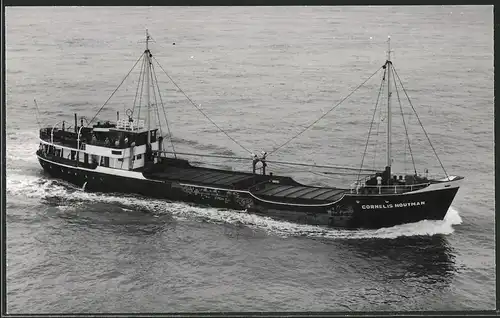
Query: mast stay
(392,73)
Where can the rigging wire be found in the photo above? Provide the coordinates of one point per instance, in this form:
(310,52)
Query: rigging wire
(207,155)
(196,106)
(272,161)
(409,123)
(404,157)
(137,89)
(322,116)
(421,125)
(406,128)
(318,166)
(142,89)
(326,174)
(378,131)
(156,101)
(164,113)
(115,90)
(371,123)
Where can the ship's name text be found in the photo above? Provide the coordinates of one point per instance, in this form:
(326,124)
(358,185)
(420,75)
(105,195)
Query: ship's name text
(390,205)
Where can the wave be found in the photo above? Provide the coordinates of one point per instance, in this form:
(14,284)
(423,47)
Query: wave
(20,149)
(64,194)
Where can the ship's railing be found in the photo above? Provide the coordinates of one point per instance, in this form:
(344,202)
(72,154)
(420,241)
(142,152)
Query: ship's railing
(114,143)
(52,131)
(53,135)
(387,189)
(78,138)
(45,133)
(129,125)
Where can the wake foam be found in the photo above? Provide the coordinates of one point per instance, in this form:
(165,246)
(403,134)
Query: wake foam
(20,149)
(63,194)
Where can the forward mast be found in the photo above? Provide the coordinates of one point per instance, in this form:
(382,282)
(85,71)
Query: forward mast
(388,64)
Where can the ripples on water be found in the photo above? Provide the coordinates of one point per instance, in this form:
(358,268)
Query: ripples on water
(72,251)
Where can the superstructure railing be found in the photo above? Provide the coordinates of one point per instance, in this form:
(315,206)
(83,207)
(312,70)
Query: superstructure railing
(386,189)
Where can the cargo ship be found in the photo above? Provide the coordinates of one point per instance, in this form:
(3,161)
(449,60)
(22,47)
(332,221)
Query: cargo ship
(128,155)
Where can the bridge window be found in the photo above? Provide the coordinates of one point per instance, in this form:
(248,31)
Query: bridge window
(116,152)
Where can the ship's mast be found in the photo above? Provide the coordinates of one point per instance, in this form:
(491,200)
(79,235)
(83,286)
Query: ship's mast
(148,65)
(389,64)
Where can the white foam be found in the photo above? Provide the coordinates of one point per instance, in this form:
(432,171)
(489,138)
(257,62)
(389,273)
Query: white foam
(33,186)
(453,217)
(281,228)
(20,149)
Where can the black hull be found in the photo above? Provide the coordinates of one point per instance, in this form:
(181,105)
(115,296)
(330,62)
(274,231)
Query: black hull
(350,211)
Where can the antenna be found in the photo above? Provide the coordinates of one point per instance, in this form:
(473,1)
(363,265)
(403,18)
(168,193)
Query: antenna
(389,51)
(149,38)
(37,113)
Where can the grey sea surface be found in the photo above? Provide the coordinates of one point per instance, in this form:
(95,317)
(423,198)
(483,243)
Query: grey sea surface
(262,74)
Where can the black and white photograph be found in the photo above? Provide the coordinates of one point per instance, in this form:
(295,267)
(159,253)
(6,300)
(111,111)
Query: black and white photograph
(204,159)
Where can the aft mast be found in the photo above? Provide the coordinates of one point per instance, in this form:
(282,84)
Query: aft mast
(148,61)
(389,119)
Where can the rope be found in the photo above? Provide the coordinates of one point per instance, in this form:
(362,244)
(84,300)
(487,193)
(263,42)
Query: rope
(194,104)
(322,116)
(406,129)
(271,161)
(140,95)
(318,166)
(115,90)
(378,131)
(320,173)
(164,113)
(371,123)
(420,122)
(156,101)
(137,89)
(206,155)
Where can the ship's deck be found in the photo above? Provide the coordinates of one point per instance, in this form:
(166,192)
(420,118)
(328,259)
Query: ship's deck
(298,193)
(260,186)
(202,176)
